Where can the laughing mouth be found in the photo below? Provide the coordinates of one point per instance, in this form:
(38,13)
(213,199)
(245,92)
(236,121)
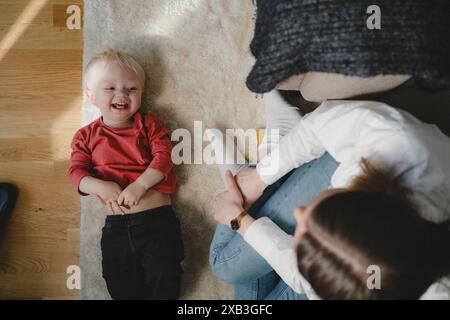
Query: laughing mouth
(120,106)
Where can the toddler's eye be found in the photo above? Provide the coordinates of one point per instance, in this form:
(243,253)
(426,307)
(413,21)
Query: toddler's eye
(132,89)
(109,88)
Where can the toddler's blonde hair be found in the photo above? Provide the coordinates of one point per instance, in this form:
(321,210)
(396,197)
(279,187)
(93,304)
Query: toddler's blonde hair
(125,61)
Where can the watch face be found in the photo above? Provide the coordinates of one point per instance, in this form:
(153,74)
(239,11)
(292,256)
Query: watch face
(234,224)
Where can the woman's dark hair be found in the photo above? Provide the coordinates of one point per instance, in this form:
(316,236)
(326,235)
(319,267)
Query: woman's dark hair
(372,224)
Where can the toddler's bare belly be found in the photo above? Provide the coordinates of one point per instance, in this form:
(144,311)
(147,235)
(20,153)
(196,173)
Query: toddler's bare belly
(151,199)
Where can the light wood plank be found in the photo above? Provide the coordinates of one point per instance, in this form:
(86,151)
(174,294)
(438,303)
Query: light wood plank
(40,103)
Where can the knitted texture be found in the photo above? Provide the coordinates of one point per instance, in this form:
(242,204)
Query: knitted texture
(297,36)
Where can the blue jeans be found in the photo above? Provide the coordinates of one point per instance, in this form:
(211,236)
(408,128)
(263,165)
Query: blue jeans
(234,261)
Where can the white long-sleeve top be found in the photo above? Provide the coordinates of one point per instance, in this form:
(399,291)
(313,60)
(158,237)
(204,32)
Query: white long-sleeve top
(349,131)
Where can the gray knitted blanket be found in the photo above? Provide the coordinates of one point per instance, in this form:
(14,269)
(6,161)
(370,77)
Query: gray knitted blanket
(341,36)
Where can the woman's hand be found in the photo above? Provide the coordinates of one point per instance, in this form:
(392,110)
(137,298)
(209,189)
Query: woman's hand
(132,194)
(229,203)
(251,185)
(109,192)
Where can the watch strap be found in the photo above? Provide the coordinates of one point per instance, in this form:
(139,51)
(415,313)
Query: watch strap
(235,224)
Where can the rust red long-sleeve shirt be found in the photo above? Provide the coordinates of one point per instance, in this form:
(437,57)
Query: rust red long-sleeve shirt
(123,154)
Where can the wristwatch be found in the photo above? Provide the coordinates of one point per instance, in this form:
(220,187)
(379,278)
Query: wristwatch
(235,224)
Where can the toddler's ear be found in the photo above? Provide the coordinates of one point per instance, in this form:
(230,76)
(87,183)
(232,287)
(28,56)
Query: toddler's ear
(90,96)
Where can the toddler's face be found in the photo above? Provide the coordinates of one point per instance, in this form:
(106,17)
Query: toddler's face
(115,91)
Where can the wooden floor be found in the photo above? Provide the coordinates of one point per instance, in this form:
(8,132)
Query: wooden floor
(40,109)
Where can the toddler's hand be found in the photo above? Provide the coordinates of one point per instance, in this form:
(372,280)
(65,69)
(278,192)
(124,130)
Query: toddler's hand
(109,192)
(250,184)
(132,194)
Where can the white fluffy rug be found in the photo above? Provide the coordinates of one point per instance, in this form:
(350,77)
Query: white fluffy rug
(196,55)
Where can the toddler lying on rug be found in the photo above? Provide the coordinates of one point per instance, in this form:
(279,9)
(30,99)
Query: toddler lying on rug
(124,157)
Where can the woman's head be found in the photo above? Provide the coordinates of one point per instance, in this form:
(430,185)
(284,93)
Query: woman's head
(344,232)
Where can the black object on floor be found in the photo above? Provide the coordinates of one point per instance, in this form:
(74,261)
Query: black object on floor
(8,197)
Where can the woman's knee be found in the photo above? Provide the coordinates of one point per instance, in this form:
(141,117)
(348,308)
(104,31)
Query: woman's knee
(236,264)
(224,265)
